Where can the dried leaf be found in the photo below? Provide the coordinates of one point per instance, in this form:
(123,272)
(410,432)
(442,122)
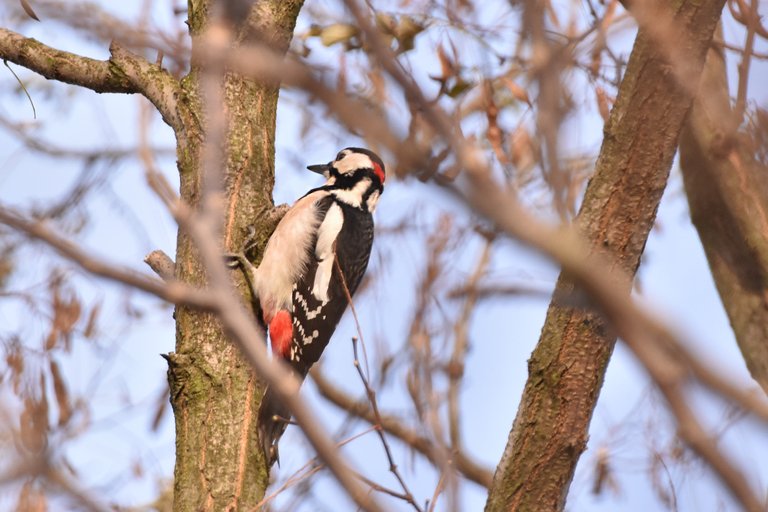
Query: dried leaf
(494,134)
(314,30)
(522,150)
(33,424)
(137,468)
(405,32)
(66,313)
(552,13)
(602,104)
(6,267)
(31,498)
(161,407)
(62,396)
(337,33)
(14,359)
(447,65)
(459,87)
(603,474)
(517,91)
(28,9)
(90,326)
(386,23)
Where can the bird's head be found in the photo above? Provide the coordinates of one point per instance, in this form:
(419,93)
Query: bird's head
(353,164)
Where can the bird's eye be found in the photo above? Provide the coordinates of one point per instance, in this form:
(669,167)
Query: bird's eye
(340,156)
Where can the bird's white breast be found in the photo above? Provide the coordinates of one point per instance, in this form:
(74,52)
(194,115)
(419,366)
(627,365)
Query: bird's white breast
(287,253)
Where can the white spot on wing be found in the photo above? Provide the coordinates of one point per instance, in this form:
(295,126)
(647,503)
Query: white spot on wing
(309,314)
(305,339)
(324,251)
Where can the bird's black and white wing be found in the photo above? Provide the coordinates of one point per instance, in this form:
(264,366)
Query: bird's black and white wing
(319,298)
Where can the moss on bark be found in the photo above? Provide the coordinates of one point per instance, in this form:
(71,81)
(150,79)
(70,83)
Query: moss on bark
(214,393)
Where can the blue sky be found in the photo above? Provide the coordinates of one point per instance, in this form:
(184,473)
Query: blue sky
(123,376)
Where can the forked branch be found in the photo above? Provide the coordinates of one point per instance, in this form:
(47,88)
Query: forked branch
(123,72)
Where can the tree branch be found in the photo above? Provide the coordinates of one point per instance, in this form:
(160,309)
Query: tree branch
(97,75)
(152,81)
(727,191)
(567,367)
(124,72)
(174,292)
(361,409)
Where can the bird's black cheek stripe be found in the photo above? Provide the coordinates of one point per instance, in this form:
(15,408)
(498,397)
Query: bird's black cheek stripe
(368,194)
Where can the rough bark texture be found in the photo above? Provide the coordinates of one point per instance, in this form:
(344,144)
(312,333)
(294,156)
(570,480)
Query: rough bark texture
(215,395)
(728,198)
(567,367)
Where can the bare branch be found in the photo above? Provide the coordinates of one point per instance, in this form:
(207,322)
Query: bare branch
(152,81)
(752,21)
(124,72)
(97,75)
(162,264)
(371,394)
(204,229)
(471,469)
(175,292)
(461,345)
(54,150)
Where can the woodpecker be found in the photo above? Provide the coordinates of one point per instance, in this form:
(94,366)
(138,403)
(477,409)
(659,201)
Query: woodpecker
(316,256)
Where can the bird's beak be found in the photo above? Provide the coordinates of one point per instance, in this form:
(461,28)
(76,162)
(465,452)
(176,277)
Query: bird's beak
(323,169)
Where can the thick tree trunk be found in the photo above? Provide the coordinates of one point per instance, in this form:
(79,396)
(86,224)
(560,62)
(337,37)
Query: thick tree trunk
(728,198)
(214,393)
(567,367)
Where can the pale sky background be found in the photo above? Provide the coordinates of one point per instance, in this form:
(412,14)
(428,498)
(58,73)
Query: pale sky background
(124,376)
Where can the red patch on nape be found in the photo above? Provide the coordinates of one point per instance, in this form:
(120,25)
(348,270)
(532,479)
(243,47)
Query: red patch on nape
(281,333)
(379,171)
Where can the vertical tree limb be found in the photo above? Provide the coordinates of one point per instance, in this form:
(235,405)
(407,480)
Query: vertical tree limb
(214,392)
(567,367)
(727,193)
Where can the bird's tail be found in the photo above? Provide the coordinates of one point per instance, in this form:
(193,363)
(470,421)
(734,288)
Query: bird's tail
(274,417)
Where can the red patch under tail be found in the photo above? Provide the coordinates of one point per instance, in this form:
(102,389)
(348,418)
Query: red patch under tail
(281,333)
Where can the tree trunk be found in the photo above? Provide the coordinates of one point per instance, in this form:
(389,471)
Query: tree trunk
(568,364)
(214,393)
(728,197)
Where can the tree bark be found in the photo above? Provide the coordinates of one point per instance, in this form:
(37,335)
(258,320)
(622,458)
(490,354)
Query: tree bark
(567,366)
(727,193)
(214,393)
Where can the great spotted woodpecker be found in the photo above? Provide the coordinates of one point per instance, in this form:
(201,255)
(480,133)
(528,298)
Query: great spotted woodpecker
(316,256)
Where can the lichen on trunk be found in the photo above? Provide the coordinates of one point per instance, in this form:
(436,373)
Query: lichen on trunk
(214,393)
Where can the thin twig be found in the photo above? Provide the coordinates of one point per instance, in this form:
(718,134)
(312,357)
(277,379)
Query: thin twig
(174,292)
(460,346)
(407,495)
(438,491)
(751,21)
(237,322)
(23,88)
(313,466)
(467,467)
(371,394)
